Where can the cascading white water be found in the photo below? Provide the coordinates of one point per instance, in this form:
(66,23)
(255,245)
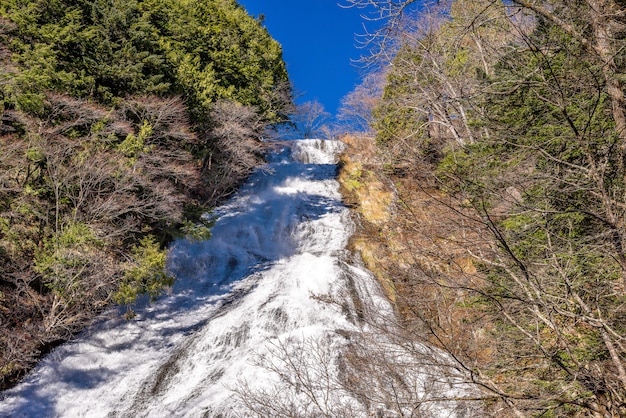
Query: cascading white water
(250,293)
(274,245)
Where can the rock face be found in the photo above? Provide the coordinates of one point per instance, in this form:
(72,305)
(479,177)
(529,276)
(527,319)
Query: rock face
(419,243)
(364,189)
(405,221)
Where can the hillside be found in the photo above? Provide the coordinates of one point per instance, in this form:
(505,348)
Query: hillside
(491,196)
(121,123)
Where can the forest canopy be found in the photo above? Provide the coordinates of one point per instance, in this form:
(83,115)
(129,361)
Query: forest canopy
(107,50)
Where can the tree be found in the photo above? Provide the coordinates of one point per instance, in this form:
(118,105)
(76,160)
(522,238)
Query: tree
(555,142)
(235,133)
(520,279)
(597,26)
(101,49)
(357,106)
(371,370)
(390,19)
(310,119)
(429,102)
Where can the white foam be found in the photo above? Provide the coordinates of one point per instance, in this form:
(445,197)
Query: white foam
(240,300)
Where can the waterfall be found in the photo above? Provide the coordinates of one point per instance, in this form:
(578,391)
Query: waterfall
(272,290)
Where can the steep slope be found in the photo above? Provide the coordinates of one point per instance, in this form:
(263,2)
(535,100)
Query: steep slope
(122,122)
(501,127)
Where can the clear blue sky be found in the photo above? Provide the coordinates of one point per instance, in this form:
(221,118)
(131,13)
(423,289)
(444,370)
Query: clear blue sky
(318,39)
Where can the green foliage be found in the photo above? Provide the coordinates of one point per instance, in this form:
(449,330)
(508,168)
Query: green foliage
(393,119)
(133,145)
(145,274)
(197,231)
(64,258)
(198,223)
(107,50)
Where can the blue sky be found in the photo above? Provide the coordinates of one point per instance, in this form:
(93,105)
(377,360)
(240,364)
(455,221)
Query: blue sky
(318,39)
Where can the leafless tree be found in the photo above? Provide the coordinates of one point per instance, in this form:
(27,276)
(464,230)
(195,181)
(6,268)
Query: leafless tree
(310,120)
(167,116)
(306,382)
(389,19)
(355,113)
(234,147)
(371,370)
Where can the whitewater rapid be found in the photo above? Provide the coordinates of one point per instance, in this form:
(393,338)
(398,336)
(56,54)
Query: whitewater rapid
(251,290)
(256,324)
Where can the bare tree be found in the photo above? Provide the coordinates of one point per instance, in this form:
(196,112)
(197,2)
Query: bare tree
(234,147)
(355,113)
(389,17)
(372,369)
(310,120)
(307,382)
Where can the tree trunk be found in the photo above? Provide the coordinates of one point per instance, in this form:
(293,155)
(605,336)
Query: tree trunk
(601,21)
